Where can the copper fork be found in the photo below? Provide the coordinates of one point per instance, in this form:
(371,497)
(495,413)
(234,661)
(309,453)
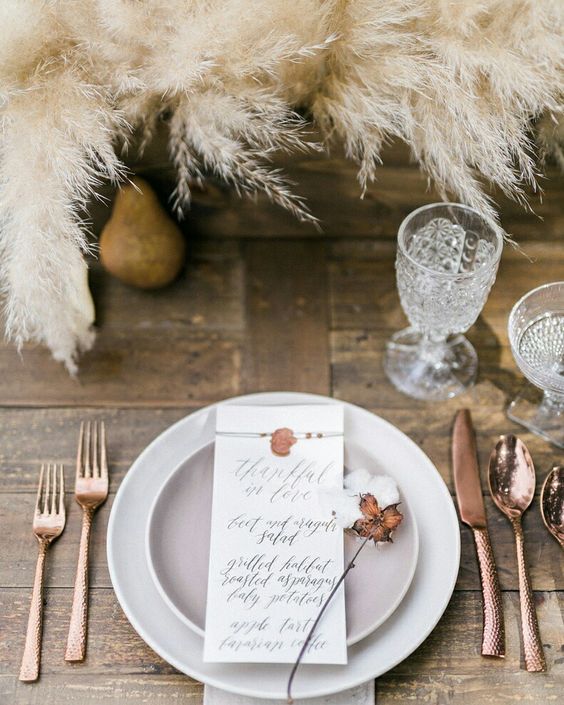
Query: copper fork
(90,492)
(48,524)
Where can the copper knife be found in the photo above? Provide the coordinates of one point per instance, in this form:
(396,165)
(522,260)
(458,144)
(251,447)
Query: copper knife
(473,513)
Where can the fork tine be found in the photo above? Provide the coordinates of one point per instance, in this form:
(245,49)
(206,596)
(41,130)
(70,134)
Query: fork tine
(103,458)
(54,490)
(79,467)
(61,490)
(46,493)
(39,489)
(86,457)
(95,466)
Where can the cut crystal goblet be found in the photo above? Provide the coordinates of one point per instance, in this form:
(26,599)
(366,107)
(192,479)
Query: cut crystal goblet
(447,260)
(536,336)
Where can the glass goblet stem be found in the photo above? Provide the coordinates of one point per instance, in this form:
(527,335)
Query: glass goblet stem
(552,404)
(432,347)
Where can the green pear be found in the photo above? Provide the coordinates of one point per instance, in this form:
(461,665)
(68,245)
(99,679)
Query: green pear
(140,244)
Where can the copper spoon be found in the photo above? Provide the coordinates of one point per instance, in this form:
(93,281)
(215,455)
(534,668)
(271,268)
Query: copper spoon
(552,503)
(512,485)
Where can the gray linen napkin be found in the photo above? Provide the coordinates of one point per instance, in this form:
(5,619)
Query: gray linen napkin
(361,695)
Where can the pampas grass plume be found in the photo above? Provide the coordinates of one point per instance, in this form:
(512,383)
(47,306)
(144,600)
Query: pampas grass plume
(460,82)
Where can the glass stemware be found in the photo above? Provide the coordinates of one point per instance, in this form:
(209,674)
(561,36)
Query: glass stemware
(536,336)
(447,260)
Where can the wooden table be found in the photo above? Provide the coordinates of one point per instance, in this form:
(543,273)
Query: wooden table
(267,304)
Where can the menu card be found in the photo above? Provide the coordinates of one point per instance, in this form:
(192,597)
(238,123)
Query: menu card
(274,556)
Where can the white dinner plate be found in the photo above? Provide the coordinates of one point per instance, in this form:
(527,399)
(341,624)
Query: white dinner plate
(178,549)
(425,601)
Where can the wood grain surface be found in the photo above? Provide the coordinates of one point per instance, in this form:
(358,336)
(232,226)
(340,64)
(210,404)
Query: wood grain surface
(266,303)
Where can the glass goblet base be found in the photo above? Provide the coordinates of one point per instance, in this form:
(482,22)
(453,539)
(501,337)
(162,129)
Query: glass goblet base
(543,416)
(430,371)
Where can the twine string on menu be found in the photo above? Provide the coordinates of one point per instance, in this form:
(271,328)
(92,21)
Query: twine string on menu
(282,439)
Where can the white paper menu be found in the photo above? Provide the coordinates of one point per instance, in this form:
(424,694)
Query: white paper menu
(274,557)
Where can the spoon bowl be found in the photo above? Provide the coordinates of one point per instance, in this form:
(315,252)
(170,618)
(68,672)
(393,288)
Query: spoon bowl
(512,476)
(552,503)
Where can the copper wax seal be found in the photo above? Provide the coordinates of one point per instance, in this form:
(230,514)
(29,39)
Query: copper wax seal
(281,441)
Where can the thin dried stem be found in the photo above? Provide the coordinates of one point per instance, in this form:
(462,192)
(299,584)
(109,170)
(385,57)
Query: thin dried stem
(311,632)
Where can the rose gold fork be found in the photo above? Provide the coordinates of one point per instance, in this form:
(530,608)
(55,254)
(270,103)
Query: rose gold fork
(48,524)
(91,491)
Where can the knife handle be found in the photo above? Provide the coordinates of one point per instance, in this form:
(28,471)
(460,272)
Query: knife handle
(493,637)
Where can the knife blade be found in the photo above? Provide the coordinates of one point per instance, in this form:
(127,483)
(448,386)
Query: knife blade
(466,472)
(472,511)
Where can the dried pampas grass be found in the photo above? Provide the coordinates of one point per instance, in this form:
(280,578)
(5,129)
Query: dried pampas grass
(459,81)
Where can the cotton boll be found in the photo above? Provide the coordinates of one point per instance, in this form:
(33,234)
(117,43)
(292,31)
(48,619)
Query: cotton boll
(384,488)
(342,505)
(358,480)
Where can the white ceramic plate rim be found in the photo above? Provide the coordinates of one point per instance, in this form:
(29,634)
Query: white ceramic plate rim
(359,636)
(365,662)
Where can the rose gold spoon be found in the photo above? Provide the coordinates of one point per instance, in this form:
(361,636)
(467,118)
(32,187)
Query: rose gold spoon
(552,503)
(512,485)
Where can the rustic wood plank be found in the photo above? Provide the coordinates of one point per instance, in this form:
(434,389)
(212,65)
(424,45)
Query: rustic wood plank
(30,436)
(126,368)
(330,186)
(490,421)
(287,317)
(207,296)
(363,291)
(447,668)
(60,689)
(170,347)
(333,195)
(353,248)
(358,376)
(51,434)
(115,649)
(454,645)
(17,559)
(543,555)
(358,373)
(19,554)
(475,689)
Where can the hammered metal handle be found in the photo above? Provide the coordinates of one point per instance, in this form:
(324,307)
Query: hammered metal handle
(76,641)
(31,659)
(493,635)
(532,645)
